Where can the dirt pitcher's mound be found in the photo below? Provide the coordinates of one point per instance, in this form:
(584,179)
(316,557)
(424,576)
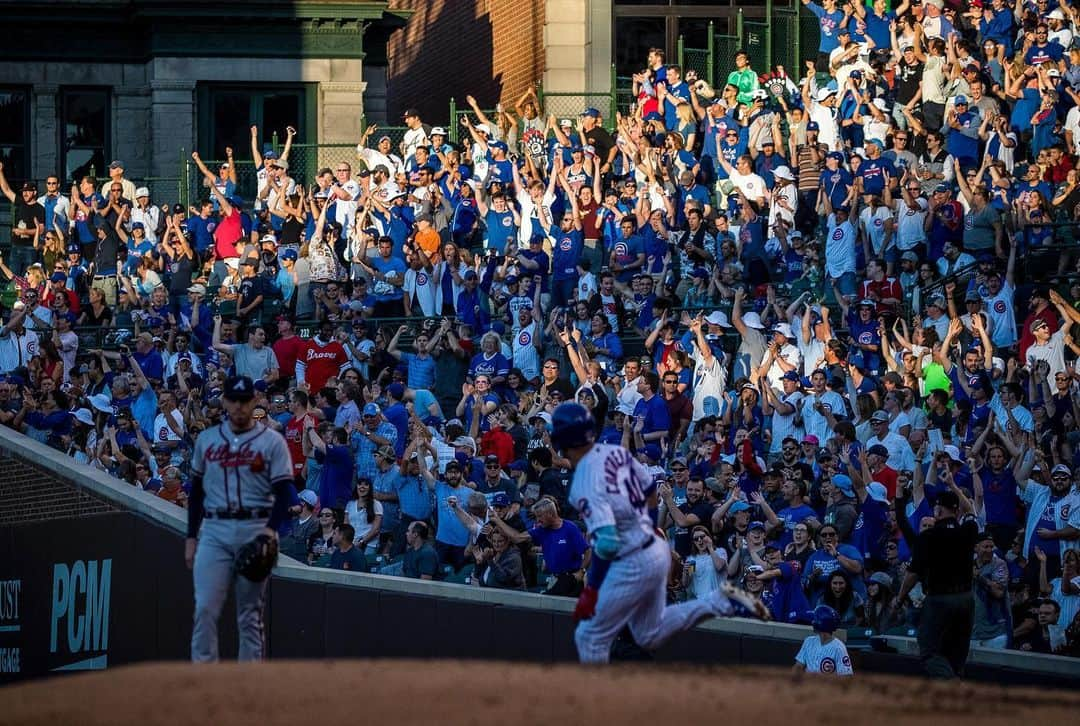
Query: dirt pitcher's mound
(471,692)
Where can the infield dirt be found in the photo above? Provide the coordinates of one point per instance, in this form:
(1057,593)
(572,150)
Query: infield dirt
(359,692)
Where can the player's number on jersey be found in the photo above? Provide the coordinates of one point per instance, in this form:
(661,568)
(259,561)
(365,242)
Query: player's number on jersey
(628,483)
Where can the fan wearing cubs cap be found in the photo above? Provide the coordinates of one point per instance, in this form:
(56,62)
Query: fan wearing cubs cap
(822,652)
(626,584)
(241,491)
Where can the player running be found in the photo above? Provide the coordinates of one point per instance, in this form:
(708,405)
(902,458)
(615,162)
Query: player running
(822,652)
(627,580)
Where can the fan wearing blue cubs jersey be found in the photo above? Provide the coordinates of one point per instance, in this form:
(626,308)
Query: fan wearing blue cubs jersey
(627,580)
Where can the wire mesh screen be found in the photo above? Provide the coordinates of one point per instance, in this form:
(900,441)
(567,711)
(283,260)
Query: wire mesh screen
(697,59)
(247,183)
(163,190)
(625,101)
(724,49)
(756,44)
(786,40)
(571,105)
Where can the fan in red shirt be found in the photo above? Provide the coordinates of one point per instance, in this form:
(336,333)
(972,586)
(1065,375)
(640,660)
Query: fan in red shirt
(294,431)
(883,290)
(1040,309)
(288,346)
(322,359)
(58,287)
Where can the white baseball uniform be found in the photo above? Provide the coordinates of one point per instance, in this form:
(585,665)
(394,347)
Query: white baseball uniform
(610,489)
(831,657)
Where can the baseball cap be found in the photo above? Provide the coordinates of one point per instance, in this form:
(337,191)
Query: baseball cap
(960,100)
(309,497)
(910,256)
(142,192)
(790,376)
(876,491)
(500,500)
(1061,469)
(811,439)
(813,126)
(239,388)
(591,113)
(116,164)
(719,318)
(58,277)
(756,525)
(843,483)
(739,506)
(437,131)
(371,409)
(972,296)
(386,452)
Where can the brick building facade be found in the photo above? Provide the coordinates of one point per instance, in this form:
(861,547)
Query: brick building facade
(492,49)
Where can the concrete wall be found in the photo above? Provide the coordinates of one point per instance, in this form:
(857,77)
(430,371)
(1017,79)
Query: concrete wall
(578,46)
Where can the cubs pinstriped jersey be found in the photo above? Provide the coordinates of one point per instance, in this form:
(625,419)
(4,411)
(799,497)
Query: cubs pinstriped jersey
(609,489)
(239,469)
(832,657)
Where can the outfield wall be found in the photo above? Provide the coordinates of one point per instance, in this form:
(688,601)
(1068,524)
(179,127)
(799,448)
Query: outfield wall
(108,587)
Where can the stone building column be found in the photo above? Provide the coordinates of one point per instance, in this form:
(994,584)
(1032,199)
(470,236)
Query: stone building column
(132,122)
(172,124)
(577,46)
(44,118)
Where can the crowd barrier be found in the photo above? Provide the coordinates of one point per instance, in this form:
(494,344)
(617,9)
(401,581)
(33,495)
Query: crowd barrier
(101,590)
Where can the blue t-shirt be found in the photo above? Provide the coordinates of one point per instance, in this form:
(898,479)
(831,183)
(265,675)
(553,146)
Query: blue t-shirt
(500,226)
(421,370)
(655,414)
(450,530)
(335,479)
(385,266)
(999,494)
(869,532)
(784,595)
(872,172)
(567,252)
(828,26)
(563,548)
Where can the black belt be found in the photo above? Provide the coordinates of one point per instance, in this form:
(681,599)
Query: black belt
(104,277)
(644,546)
(259,513)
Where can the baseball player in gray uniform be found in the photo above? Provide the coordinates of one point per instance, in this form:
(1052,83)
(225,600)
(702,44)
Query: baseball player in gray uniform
(241,475)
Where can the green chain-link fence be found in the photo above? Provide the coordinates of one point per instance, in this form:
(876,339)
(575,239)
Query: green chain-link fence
(572,105)
(625,100)
(756,43)
(724,48)
(787,40)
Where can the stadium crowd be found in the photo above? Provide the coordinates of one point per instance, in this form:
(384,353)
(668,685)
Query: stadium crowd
(812,301)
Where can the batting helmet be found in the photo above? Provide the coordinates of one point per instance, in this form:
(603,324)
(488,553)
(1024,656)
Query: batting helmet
(572,425)
(824,619)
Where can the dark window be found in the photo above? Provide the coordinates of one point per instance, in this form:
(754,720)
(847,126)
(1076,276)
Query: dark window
(227,113)
(84,125)
(14,134)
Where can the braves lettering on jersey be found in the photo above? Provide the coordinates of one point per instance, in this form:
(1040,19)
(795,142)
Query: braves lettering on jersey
(831,657)
(320,361)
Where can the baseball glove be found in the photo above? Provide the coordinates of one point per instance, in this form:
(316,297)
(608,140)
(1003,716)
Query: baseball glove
(257,558)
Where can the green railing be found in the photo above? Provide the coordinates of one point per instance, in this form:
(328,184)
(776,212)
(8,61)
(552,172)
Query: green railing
(778,38)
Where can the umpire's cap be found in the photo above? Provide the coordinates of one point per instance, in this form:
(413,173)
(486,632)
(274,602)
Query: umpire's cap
(239,388)
(572,425)
(824,619)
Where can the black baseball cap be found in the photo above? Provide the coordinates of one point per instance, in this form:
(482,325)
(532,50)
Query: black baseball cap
(239,389)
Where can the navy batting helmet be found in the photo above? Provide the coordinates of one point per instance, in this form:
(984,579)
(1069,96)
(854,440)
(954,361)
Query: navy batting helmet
(572,425)
(824,619)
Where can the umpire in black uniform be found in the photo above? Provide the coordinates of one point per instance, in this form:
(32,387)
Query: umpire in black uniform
(942,562)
